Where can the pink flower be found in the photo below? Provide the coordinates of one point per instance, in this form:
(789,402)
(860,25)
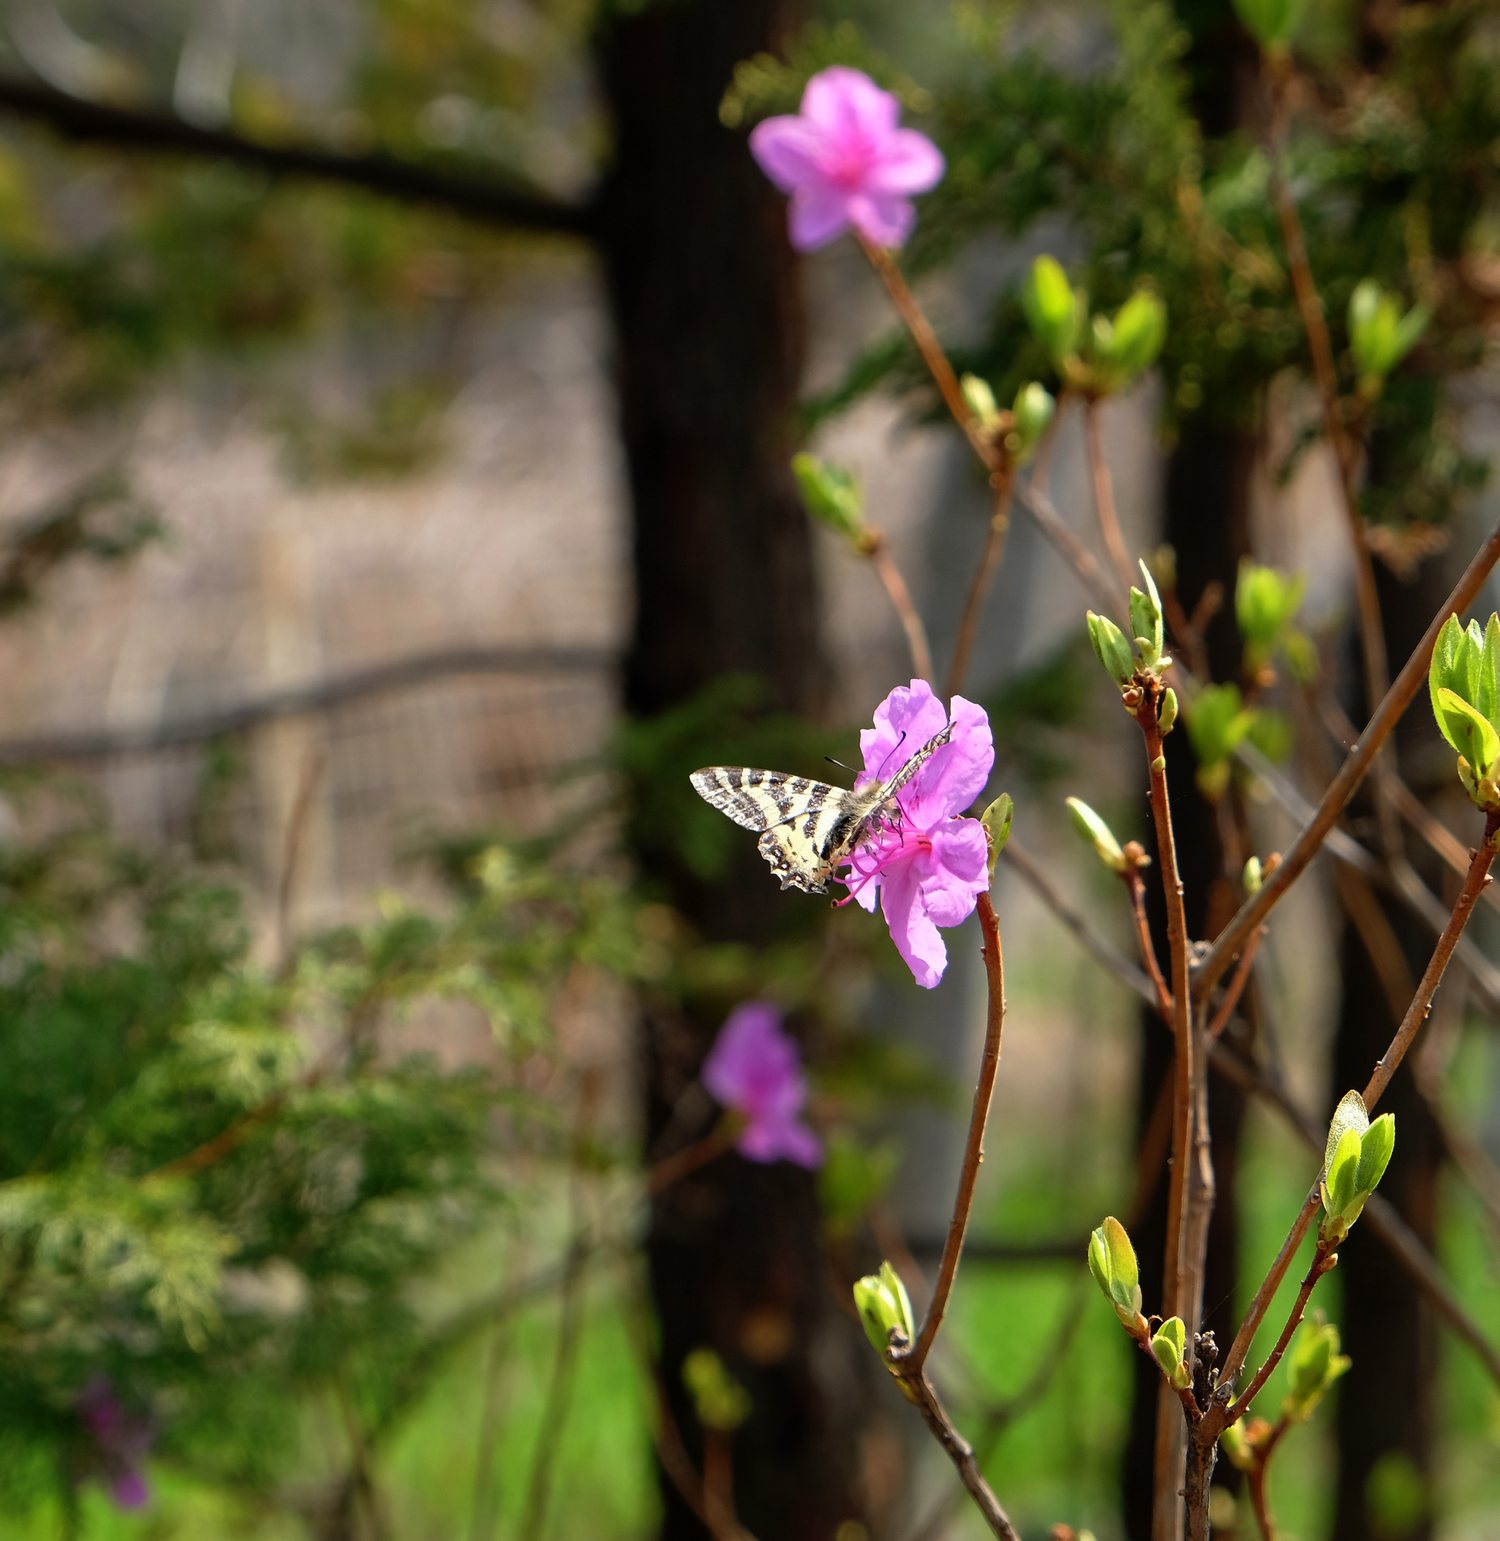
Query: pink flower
(845,162)
(753,1069)
(121,1440)
(928,867)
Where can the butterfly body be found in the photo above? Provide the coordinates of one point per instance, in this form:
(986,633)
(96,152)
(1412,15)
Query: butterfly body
(808,829)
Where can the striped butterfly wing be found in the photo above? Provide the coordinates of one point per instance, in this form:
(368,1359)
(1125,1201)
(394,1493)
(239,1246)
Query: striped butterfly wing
(806,827)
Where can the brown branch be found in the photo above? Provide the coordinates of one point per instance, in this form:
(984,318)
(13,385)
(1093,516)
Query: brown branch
(1411,1023)
(889,573)
(1137,890)
(1104,497)
(1325,1259)
(989,560)
(1191,1185)
(1410,680)
(502,201)
(924,1398)
(912,1361)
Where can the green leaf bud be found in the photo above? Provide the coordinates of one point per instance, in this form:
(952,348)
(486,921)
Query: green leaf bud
(830,494)
(1098,834)
(1167,1345)
(1130,343)
(1032,415)
(1113,1264)
(1468,732)
(1313,1365)
(1254,875)
(718,1398)
(997,820)
(1166,719)
(884,1307)
(980,400)
(1380,335)
(1052,309)
(1146,620)
(1272,23)
(1265,601)
(1375,1147)
(1111,648)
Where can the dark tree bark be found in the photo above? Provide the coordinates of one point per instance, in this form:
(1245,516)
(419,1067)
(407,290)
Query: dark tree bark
(708,350)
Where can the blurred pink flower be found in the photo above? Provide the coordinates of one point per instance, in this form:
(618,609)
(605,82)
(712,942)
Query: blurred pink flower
(845,161)
(121,1442)
(754,1070)
(929,867)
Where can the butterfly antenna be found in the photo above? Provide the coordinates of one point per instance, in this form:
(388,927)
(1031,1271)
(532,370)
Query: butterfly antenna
(842,766)
(894,747)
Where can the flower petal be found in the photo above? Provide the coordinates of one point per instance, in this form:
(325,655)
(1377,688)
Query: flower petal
(883,220)
(787,149)
(818,213)
(749,1044)
(955,871)
(917,939)
(904,721)
(908,163)
(956,773)
(850,105)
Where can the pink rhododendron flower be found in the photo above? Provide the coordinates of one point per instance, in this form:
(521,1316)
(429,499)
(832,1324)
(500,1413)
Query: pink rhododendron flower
(754,1069)
(928,867)
(121,1442)
(845,161)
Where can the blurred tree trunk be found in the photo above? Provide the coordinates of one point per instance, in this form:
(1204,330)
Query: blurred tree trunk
(1385,1403)
(1206,511)
(708,351)
(1206,520)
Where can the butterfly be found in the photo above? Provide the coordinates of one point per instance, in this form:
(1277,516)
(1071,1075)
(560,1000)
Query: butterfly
(808,829)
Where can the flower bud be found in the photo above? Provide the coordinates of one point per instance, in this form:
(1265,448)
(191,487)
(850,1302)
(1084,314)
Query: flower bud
(1098,834)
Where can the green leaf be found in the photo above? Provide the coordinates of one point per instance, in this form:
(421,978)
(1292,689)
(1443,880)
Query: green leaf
(1469,733)
(1313,1365)
(1097,833)
(1445,668)
(1340,1189)
(1376,1145)
(1487,696)
(1146,621)
(1265,601)
(1111,648)
(1216,722)
(1349,1114)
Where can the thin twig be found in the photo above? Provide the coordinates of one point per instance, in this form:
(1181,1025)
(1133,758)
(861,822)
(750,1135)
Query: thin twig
(1191,1185)
(1412,677)
(901,601)
(1137,890)
(1325,1259)
(994,545)
(989,1068)
(1411,1023)
(1104,496)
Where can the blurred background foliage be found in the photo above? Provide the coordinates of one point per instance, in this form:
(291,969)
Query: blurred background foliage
(359,1273)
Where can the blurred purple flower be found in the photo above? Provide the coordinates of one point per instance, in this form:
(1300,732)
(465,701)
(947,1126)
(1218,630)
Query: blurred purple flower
(929,867)
(121,1442)
(845,161)
(754,1069)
